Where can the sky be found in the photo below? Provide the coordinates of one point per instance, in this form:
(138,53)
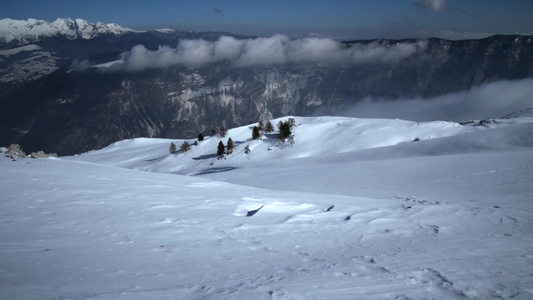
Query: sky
(340,19)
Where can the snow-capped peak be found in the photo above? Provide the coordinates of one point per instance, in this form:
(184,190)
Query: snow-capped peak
(33,30)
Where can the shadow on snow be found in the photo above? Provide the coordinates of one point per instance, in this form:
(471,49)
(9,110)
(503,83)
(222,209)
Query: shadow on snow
(214,170)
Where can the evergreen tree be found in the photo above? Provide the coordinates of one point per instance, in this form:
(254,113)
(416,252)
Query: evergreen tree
(220,149)
(185,147)
(223,131)
(200,137)
(213,132)
(260,125)
(172,148)
(269,127)
(230,146)
(285,130)
(291,122)
(255,133)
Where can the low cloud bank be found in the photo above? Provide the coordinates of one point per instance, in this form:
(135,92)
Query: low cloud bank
(491,100)
(275,50)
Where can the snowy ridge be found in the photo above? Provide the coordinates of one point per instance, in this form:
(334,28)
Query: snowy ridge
(32,30)
(313,136)
(353,210)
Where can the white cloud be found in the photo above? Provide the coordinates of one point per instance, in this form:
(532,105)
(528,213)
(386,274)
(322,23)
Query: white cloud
(491,100)
(264,51)
(434,5)
(275,50)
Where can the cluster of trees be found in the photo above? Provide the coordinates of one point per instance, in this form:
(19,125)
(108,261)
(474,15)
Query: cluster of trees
(222,130)
(186,146)
(225,150)
(285,130)
(267,128)
(285,135)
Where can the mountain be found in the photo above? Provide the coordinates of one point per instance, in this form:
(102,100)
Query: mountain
(71,95)
(356,209)
(20,32)
(32,49)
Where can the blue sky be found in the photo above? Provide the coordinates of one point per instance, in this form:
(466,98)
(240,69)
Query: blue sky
(337,18)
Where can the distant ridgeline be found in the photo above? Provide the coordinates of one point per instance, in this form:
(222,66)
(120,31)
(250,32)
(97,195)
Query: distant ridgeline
(83,86)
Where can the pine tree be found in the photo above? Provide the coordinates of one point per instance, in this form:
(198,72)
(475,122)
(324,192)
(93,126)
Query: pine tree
(213,132)
(255,133)
(269,127)
(185,147)
(220,149)
(172,148)
(223,131)
(260,125)
(200,137)
(285,130)
(291,122)
(230,146)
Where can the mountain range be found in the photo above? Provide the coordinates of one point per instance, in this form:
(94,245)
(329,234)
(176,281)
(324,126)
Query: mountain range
(19,32)
(61,90)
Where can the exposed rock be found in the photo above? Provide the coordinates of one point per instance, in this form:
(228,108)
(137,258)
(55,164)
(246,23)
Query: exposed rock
(253,211)
(16,149)
(41,154)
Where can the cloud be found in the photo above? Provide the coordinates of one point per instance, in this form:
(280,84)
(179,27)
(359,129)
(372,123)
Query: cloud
(275,50)
(434,5)
(80,66)
(490,100)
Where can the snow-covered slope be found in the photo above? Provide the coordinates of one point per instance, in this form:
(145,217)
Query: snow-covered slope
(354,210)
(313,136)
(32,30)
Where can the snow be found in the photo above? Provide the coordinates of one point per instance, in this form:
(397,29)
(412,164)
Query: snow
(108,64)
(353,210)
(337,135)
(166,30)
(32,30)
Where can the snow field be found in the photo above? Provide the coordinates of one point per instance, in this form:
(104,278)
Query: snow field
(347,216)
